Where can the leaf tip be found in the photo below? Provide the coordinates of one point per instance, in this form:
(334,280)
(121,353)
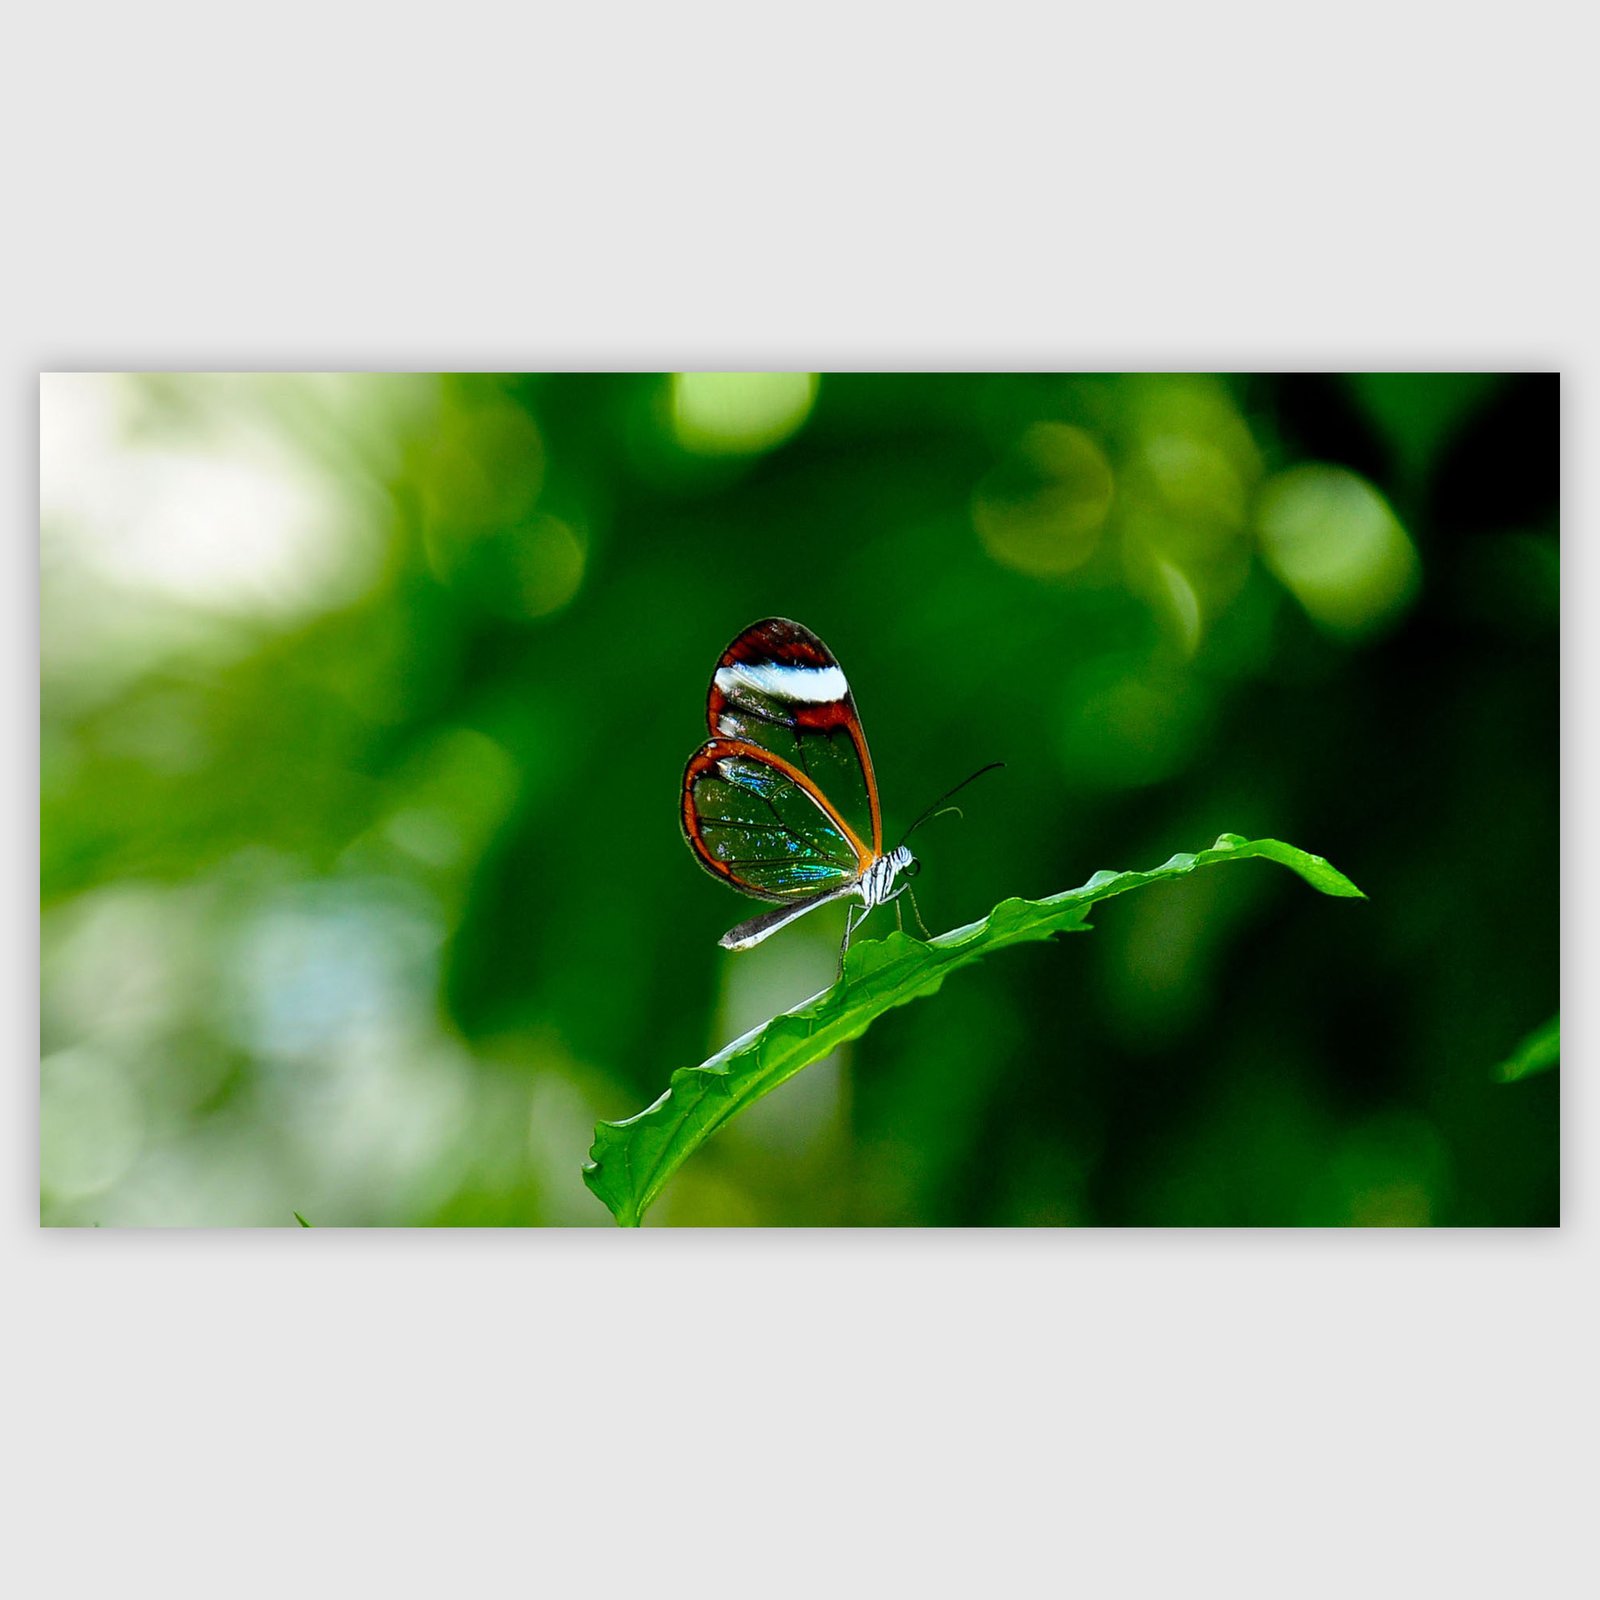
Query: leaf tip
(1538,1052)
(1316,870)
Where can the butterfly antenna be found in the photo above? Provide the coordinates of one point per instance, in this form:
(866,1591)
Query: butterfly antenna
(935,811)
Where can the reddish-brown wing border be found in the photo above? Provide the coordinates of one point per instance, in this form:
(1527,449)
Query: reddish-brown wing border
(705,758)
(792,644)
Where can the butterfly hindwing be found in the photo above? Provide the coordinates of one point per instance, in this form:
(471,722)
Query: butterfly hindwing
(757,822)
(779,687)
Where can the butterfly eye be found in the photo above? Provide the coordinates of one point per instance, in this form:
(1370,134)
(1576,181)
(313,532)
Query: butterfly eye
(911,868)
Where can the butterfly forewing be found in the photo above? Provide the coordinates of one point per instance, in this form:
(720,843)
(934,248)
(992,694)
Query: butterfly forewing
(779,687)
(754,820)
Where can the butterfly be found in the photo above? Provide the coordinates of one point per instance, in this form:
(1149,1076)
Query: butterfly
(781,802)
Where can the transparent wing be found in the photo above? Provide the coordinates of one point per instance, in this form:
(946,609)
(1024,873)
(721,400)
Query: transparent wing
(758,823)
(779,687)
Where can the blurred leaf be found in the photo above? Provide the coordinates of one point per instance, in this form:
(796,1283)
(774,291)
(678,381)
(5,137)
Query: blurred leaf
(632,1160)
(301,1220)
(1541,1049)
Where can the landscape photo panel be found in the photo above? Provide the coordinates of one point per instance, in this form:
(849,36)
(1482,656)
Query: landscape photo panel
(774,799)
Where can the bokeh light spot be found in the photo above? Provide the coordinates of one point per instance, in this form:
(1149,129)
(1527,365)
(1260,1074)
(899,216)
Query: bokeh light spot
(485,467)
(1334,543)
(1127,726)
(1388,1173)
(739,413)
(91,1124)
(804,1117)
(543,564)
(487,464)
(1200,495)
(237,518)
(1180,605)
(454,793)
(1041,511)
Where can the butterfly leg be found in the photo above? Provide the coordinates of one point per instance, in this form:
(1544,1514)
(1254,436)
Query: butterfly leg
(899,920)
(916,911)
(850,926)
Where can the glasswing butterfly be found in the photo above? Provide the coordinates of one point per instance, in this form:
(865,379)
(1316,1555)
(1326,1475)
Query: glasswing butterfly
(781,801)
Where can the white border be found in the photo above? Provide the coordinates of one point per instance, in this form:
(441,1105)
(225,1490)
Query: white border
(1297,1414)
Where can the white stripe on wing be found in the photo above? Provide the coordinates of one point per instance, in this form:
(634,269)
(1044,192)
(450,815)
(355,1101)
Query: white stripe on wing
(813,685)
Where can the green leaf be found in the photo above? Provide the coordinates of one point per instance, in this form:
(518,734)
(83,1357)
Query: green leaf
(1541,1049)
(630,1161)
(301,1220)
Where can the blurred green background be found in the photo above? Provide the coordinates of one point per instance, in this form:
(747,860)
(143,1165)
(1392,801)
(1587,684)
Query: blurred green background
(365,701)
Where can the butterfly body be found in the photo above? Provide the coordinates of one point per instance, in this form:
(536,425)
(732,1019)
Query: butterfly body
(782,802)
